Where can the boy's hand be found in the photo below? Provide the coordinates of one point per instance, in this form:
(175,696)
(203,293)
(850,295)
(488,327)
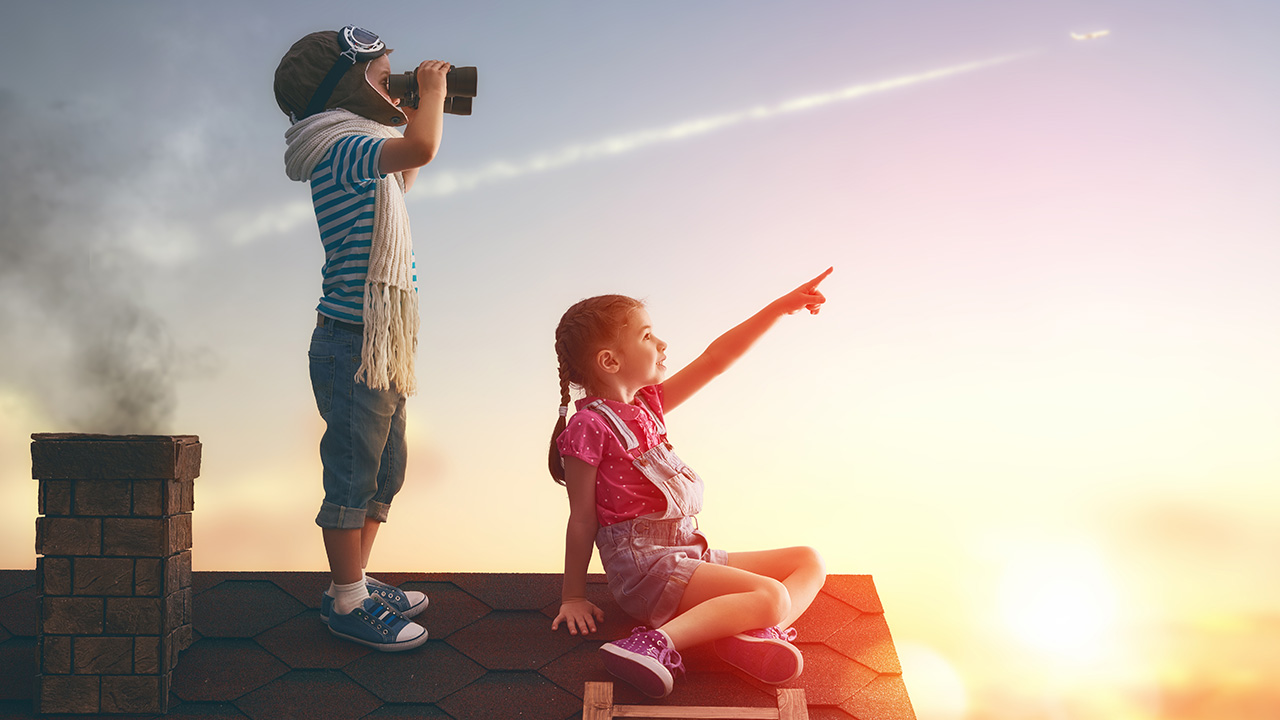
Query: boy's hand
(805,297)
(431,83)
(579,615)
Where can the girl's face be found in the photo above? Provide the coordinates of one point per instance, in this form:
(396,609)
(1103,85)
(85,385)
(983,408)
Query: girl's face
(640,353)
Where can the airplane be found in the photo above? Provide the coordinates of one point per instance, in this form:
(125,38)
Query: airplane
(1092,35)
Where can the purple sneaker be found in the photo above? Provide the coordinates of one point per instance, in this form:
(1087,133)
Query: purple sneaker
(645,660)
(765,654)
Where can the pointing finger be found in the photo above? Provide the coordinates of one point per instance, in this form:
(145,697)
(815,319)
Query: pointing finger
(812,285)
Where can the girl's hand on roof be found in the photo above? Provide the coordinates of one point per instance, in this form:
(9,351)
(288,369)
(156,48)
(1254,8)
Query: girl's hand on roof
(579,615)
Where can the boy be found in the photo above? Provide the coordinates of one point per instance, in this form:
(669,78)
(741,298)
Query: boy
(333,86)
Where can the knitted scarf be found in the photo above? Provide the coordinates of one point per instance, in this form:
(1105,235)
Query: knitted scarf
(390,299)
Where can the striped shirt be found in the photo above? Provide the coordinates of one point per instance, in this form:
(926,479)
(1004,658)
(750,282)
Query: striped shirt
(343,189)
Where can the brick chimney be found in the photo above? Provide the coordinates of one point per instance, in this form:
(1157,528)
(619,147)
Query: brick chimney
(115,576)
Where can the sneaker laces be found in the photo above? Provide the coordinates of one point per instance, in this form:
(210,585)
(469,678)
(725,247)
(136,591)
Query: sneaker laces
(666,653)
(387,615)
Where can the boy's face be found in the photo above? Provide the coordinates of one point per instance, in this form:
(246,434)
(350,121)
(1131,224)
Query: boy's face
(378,73)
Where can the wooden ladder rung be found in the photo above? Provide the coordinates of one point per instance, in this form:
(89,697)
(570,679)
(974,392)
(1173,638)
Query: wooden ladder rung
(597,704)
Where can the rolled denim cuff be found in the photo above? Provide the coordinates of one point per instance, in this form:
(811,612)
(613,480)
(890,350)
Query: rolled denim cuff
(378,511)
(337,517)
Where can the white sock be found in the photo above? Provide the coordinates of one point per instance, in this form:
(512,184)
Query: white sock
(668,637)
(348,597)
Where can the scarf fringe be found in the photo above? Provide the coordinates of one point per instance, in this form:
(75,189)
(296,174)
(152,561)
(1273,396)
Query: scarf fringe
(387,357)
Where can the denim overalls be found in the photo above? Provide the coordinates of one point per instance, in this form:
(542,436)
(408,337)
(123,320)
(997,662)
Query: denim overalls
(649,559)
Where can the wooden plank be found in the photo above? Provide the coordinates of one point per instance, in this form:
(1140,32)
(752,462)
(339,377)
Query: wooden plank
(671,712)
(792,705)
(597,701)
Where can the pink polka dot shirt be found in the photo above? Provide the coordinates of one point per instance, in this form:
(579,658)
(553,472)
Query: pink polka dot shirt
(622,492)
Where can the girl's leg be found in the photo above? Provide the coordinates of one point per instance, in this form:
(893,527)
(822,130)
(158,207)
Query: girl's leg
(755,590)
(800,569)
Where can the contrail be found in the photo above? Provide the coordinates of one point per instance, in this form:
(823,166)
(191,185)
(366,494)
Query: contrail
(440,184)
(448,182)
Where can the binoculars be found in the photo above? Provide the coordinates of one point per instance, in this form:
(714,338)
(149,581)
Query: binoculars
(460,87)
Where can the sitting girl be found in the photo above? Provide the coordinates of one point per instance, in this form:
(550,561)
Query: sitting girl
(633,497)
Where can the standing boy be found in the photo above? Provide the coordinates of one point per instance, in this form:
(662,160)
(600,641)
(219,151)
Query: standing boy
(333,86)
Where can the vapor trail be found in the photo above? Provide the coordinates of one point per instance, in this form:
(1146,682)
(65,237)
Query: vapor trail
(442,183)
(447,183)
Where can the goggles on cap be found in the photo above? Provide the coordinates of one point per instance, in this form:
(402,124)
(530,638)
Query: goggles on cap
(358,45)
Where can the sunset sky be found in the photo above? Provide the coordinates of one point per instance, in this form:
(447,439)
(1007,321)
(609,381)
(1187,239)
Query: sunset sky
(1041,406)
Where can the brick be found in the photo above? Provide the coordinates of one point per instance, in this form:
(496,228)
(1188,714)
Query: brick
(55,497)
(68,536)
(55,576)
(72,456)
(133,616)
(183,639)
(72,616)
(102,497)
(184,567)
(181,497)
(135,537)
(148,498)
(148,652)
(67,694)
(175,610)
(149,577)
(179,533)
(103,656)
(55,655)
(188,464)
(137,694)
(103,576)
(177,572)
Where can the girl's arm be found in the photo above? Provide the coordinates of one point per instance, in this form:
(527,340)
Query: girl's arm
(732,345)
(578,613)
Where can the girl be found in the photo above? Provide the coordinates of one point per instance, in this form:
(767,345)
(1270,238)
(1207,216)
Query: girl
(633,497)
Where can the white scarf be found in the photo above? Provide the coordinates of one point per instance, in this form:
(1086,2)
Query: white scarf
(390,299)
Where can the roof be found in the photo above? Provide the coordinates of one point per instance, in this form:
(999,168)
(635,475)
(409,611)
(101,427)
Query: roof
(261,652)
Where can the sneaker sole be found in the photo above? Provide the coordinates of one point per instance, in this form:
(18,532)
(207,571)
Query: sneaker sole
(384,647)
(779,661)
(643,672)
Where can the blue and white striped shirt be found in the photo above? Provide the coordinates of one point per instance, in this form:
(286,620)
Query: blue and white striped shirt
(344,189)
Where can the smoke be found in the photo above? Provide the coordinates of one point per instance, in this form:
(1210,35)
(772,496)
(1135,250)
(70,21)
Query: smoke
(79,341)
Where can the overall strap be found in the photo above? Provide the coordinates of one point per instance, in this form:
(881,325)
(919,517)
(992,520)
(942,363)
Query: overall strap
(657,422)
(620,429)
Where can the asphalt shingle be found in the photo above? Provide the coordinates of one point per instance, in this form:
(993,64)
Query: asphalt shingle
(261,651)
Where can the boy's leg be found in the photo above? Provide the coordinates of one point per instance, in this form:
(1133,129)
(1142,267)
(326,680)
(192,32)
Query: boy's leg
(368,534)
(343,546)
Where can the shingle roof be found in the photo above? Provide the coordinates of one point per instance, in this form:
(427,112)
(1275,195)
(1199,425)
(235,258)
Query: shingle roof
(261,652)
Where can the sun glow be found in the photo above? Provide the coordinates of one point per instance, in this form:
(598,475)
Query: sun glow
(1060,601)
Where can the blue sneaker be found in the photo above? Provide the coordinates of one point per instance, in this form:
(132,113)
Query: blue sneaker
(645,660)
(408,603)
(378,626)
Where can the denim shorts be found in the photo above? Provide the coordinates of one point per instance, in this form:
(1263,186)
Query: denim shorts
(363,447)
(649,562)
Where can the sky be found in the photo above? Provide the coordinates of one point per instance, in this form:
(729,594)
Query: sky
(1040,406)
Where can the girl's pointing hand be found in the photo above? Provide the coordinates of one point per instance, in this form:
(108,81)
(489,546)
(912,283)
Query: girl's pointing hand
(807,296)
